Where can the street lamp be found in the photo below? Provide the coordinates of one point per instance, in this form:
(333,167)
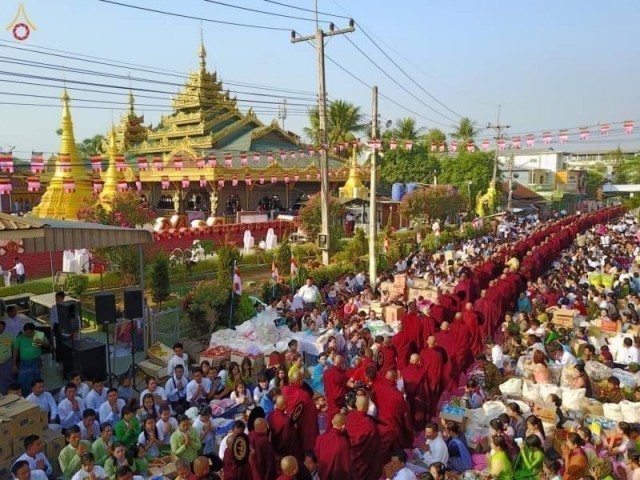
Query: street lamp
(469,183)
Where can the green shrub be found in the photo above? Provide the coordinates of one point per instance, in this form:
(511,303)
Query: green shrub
(243,309)
(76,285)
(159,283)
(272,291)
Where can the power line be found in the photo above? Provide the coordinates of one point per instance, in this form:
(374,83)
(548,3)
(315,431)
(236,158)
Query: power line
(306,9)
(405,89)
(264,12)
(193,17)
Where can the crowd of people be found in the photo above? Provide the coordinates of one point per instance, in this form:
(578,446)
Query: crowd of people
(369,406)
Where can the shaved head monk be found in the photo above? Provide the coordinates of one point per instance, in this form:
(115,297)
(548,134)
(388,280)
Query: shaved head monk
(284,436)
(232,469)
(416,391)
(364,438)
(302,410)
(335,386)
(289,467)
(432,360)
(263,455)
(332,451)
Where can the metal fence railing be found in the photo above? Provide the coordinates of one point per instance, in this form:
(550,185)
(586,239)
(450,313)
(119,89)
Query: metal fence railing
(165,326)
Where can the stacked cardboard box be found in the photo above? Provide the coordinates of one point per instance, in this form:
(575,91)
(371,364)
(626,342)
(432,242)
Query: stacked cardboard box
(53,443)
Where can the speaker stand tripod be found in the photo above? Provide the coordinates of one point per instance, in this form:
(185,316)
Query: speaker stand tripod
(110,374)
(133,368)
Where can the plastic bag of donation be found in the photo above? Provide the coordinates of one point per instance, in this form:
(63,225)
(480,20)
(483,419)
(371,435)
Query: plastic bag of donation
(493,409)
(549,389)
(572,398)
(511,388)
(531,391)
(596,371)
(627,379)
(613,411)
(630,411)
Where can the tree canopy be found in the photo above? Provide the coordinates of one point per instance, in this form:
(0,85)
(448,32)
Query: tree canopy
(415,165)
(465,131)
(437,202)
(344,122)
(476,167)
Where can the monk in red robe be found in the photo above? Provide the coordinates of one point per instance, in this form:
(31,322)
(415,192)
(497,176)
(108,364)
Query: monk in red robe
(358,375)
(404,346)
(364,438)
(416,391)
(432,360)
(263,457)
(437,312)
(429,327)
(289,467)
(389,355)
(231,468)
(300,400)
(335,386)
(284,436)
(412,324)
(332,451)
(393,415)
(472,321)
(464,288)
(462,337)
(489,312)
(450,373)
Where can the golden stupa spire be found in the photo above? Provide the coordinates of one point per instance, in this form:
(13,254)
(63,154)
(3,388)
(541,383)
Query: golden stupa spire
(353,188)
(132,103)
(57,202)
(202,53)
(110,177)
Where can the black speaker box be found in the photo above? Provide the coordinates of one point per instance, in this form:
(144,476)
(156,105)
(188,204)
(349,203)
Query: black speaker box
(133,303)
(68,317)
(105,308)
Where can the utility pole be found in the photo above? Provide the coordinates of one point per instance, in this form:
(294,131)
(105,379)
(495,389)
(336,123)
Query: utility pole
(282,111)
(322,113)
(510,194)
(499,136)
(373,209)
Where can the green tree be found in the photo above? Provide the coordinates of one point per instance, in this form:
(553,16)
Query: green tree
(406,129)
(475,167)
(344,122)
(283,258)
(465,131)
(159,279)
(617,159)
(415,165)
(91,146)
(434,135)
(437,202)
(594,182)
(228,255)
(310,220)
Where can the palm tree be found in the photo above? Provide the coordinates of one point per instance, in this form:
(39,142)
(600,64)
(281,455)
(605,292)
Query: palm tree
(91,146)
(344,121)
(465,131)
(406,129)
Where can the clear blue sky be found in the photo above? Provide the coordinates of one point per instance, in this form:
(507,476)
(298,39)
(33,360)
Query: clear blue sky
(550,64)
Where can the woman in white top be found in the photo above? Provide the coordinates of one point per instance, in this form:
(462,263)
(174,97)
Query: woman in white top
(240,395)
(89,469)
(261,390)
(151,438)
(166,425)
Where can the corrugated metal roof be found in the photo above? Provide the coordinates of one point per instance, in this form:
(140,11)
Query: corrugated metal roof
(48,235)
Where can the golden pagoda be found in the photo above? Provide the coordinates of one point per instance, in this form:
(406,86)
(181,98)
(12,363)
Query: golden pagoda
(110,176)
(71,184)
(354,188)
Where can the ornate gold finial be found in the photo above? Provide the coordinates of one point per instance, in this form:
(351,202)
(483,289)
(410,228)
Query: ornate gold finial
(202,53)
(131,103)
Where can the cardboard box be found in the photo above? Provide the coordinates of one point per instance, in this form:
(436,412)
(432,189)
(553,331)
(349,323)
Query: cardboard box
(168,471)
(577,346)
(399,285)
(24,414)
(393,313)
(7,428)
(257,362)
(53,443)
(215,355)
(160,354)
(545,412)
(153,370)
(44,420)
(6,452)
(563,317)
(610,327)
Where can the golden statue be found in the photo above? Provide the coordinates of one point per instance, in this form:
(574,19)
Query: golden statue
(488,199)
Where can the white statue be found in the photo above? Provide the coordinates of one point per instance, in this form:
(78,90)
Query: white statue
(214,203)
(176,202)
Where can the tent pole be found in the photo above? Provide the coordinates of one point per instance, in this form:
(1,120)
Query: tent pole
(53,278)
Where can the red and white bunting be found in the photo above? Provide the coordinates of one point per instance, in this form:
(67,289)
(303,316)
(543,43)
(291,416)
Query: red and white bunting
(308,176)
(122,186)
(434,147)
(6,162)
(312,152)
(121,164)
(138,184)
(164,182)
(221,183)
(441,147)
(213,161)
(203,181)
(96,163)
(283,155)
(287,179)
(547,138)
(502,144)
(200,163)
(564,136)
(375,144)
(37,162)
(228,160)
(335,148)
(158,165)
(64,162)
(256,157)
(292,155)
(33,184)
(628,127)
(234,181)
(143,164)
(584,133)
(243,159)
(302,153)
(178,163)
(269,157)
(261,179)
(453,146)
(274,179)
(531,141)
(471,146)
(408,145)
(516,142)
(68,185)
(485,145)
(296,177)
(97,186)
(5,186)
(393,145)
(248,180)
(604,129)
(318,176)
(185,182)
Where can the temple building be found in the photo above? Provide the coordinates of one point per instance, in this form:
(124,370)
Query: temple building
(206,158)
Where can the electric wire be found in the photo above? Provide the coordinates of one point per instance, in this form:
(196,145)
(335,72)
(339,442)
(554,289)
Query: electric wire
(264,12)
(306,9)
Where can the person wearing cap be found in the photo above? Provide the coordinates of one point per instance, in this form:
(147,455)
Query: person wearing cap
(27,349)
(492,376)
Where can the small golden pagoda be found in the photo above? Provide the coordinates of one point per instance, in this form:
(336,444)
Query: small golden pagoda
(110,176)
(354,188)
(71,184)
